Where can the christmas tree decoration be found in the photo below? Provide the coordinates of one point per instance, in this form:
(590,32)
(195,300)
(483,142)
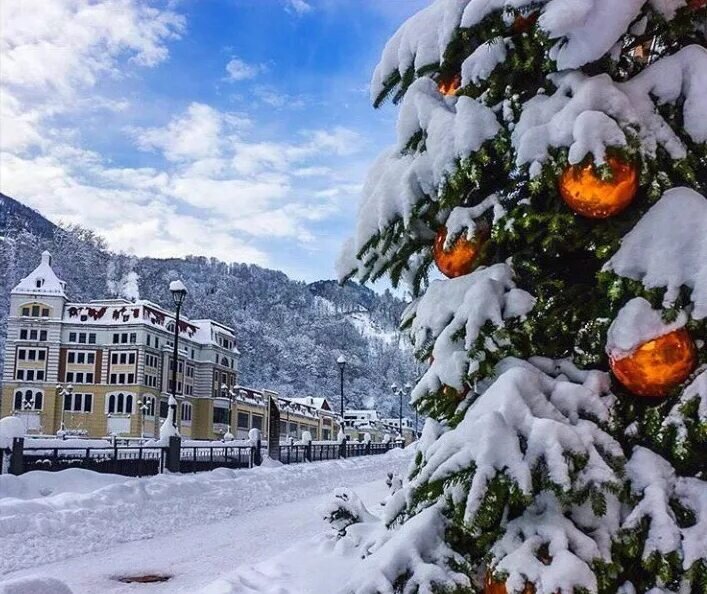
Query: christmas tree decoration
(524,22)
(592,197)
(657,366)
(449,85)
(462,257)
(696,4)
(536,459)
(491,586)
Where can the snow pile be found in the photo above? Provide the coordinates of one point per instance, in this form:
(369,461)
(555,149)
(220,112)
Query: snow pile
(125,511)
(10,429)
(34,585)
(636,323)
(42,483)
(668,248)
(461,306)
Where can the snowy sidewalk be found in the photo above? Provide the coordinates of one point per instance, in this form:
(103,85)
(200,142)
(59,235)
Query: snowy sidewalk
(196,527)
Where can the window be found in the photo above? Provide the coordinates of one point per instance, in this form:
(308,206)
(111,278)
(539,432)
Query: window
(78,402)
(186,412)
(82,338)
(120,403)
(164,409)
(40,375)
(116,338)
(133,337)
(256,422)
(283,428)
(22,354)
(149,339)
(220,415)
(131,358)
(28,400)
(243,420)
(131,378)
(23,334)
(157,342)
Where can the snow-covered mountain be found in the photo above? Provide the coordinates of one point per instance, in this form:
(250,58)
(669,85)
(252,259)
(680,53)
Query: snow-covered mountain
(289,332)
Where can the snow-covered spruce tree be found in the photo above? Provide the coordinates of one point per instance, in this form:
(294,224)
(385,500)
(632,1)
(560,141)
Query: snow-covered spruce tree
(552,163)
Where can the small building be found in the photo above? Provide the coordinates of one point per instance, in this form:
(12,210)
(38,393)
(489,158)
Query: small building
(393,427)
(329,421)
(362,421)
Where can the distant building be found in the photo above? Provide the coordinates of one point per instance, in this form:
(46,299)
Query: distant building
(393,426)
(115,353)
(307,414)
(362,421)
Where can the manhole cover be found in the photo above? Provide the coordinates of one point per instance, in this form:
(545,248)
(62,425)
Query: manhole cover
(143,579)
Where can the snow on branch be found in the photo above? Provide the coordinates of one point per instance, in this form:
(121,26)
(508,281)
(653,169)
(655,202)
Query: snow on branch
(668,248)
(451,314)
(419,552)
(523,420)
(568,553)
(588,114)
(584,31)
(654,482)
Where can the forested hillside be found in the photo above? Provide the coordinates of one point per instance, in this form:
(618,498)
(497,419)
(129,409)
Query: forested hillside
(289,332)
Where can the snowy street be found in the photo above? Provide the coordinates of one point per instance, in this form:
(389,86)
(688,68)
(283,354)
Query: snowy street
(196,528)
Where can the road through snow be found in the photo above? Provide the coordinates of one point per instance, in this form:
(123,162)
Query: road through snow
(197,535)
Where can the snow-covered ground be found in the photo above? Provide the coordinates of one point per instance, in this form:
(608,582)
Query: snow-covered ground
(212,531)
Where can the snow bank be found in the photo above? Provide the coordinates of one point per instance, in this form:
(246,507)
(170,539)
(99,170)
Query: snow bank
(34,585)
(668,248)
(10,428)
(41,483)
(125,510)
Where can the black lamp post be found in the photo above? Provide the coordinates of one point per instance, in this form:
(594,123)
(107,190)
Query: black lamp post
(341,362)
(407,388)
(179,293)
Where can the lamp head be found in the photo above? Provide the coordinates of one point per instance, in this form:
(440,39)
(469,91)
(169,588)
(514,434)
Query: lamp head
(179,292)
(341,361)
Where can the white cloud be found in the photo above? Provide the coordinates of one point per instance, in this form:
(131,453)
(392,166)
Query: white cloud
(299,7)
(278,99)
(237,70)
(217,185)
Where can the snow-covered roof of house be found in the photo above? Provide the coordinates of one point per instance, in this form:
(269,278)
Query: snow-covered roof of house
(370,413)
(318,403)
(42,280)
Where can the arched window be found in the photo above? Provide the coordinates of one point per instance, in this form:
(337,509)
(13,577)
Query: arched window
(170,326)
(186,412)
(224,361)
(149,402)
(18,400)
(28,400)
(34,310)
(120,403)
(38,400)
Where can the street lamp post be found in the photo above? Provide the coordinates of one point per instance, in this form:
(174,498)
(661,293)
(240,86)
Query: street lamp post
(63,392)
(143,406)
(230,396)
(341,362)
(179,293)
(407,388)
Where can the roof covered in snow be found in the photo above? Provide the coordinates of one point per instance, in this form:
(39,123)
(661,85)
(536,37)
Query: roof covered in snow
(42,280)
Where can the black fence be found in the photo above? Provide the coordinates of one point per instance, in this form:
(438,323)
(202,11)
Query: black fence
(292,454)
(125,460)
(138,460)
(201,458)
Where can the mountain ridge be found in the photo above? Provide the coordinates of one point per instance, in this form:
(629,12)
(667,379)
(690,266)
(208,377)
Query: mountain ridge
(289,332)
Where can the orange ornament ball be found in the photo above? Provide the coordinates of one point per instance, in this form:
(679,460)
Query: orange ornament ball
(461,258)
(491,586)
(590,196)
(657,366)
(449,85)
(524,22)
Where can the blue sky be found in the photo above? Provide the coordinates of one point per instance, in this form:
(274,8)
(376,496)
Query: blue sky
(239,129)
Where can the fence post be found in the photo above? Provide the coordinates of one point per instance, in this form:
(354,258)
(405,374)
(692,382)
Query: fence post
(173,453)
(342,449)
(17,458)
(258,454)
(308,451)
(367,448)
